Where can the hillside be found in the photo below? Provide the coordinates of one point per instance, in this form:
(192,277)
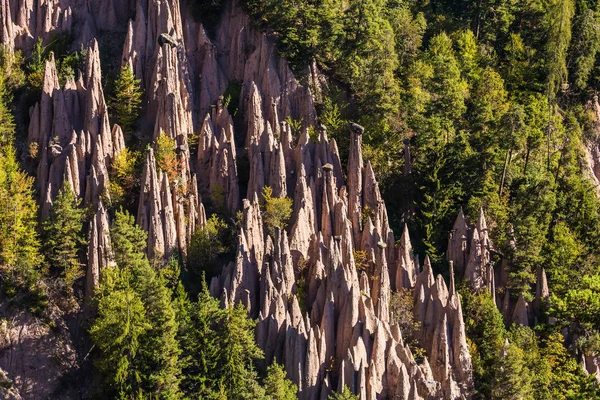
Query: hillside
(299,200)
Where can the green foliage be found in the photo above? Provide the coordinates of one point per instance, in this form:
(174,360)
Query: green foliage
(295,125)
(579,308)
(585,43)
(231,97)
(345,395)
(12,76)
(239,351)
(276,211)
(563,254)
(36,66)
(124,177)
(206,246)
(277,386)
(567,379)
(127,99)
(7,123)
(220,352)
(485,328)
(166,158)
(64,239)
(519,363)
(401,312)
(69,64)
(560,14)
(512,379)
(136,326)
(19,242)
(199,339)
(120,323)
(337,127)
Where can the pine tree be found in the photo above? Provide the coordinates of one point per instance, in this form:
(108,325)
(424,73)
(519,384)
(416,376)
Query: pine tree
(512,380)
(19,242)
(200,342)
(205,248)
(486,332)
(159,354)
(277,386)
(559,16)
(127,99)
(447,84)
(118,330)
(345,395)
(136,328)
(128,242)
(585,44)
(238,352)
(63,237)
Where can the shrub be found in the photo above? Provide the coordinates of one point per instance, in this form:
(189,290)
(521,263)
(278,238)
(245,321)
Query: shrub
(277,211)
(206,246)
(166,157)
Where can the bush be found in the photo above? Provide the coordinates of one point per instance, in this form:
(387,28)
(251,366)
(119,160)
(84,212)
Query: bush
(124,177)
(205,248)
(401,312)
(277,211)
(166,158)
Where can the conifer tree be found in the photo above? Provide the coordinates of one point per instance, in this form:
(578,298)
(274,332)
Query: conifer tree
(140,353)
(19,242)
(117,331)
(127,99)
(559,16)
(346,394)
(238,353)
(63,237)
(277,386)
(201,345)
(512,380)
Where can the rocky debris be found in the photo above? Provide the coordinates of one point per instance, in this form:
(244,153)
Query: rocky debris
(7,389)
(34,355)
(71,130)
(156,213)
(355,163)
(591,365)
(343,323)
(249,56)
(26,20)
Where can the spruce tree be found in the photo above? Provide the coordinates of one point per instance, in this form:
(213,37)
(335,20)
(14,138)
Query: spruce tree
(19,242)
(512,379)
(63,237)
(127,99)
(346,394)
(136,328)
(200,342)
(277,386)
(118,331)
(235,368)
